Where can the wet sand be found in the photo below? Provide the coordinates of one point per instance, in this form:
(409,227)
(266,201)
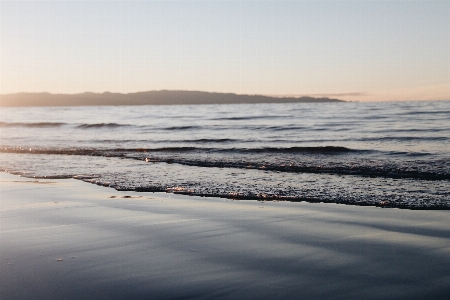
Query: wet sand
(66,239)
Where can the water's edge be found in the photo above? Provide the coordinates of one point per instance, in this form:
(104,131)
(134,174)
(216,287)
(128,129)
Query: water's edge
(233,196)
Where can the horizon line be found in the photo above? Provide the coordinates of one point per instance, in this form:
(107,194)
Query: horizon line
(297,96)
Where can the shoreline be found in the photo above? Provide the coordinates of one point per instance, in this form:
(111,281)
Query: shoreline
(262,197)
(66,239)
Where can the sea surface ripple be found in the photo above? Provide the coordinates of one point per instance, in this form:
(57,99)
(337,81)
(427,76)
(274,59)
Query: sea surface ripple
(391,154)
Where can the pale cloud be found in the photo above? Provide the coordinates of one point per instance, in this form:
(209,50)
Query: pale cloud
(351,94)
(428,92)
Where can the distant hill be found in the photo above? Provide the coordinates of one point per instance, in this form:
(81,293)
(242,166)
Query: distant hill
(163,97)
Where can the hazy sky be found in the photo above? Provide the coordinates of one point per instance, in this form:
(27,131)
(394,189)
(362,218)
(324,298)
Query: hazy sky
(354,50)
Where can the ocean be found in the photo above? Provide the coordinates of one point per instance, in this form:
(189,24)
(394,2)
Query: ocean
(387,154)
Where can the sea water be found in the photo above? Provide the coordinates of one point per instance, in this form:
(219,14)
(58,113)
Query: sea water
(391,154)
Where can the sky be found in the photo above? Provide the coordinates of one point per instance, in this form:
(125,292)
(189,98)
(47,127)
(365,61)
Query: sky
(351,50)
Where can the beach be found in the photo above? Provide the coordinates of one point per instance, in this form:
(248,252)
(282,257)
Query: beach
(224,150)
(67,239)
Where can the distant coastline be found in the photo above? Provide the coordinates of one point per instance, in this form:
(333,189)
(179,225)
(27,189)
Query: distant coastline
(163,97)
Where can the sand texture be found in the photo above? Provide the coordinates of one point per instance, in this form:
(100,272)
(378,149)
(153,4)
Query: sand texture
(67,239)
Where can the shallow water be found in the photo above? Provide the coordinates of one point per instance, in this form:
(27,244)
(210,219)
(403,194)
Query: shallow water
(392,154)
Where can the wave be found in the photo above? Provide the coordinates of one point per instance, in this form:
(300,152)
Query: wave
(102,125)
(36,125)
(426,130)
(87,151)
(362,170)
(313,150)
(117,152)
(429,112)
(60,124)
(179,128)
(193,141)
(319,150)
(403,138)
(288,159)
(207,141)
(247,118)
(77,151)
(282,128)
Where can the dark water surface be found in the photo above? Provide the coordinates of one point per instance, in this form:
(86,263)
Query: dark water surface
(394,154)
